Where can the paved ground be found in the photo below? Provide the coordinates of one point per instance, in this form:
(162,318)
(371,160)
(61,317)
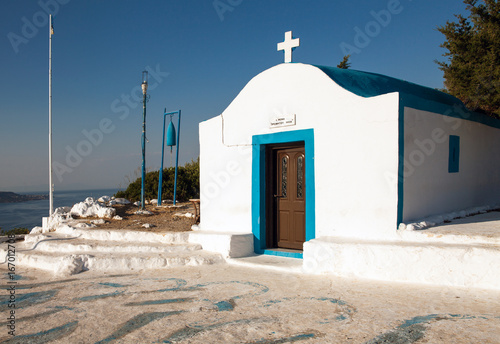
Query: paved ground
(233,304)
(486,226)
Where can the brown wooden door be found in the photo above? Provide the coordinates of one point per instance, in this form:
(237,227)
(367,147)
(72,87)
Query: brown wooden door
(290,203)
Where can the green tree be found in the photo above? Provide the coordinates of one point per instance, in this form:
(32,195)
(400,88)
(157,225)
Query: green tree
(345,64)
(472,71)
(188,184)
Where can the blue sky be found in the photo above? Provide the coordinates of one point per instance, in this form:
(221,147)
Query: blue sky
(199,56)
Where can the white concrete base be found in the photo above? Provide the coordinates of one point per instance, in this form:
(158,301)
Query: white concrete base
(45,223)
(229,245)
(463,265)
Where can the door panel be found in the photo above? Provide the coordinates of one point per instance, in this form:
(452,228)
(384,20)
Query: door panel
(290,197)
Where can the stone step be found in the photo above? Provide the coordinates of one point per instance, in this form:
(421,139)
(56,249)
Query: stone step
(123,235)
(78,261)
(268,262)
(53,242)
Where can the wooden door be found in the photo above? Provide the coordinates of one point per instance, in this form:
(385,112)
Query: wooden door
(290,198)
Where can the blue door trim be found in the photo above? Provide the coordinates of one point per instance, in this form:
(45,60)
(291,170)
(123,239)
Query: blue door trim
(259,143)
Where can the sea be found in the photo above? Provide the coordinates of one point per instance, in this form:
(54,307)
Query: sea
(29,214)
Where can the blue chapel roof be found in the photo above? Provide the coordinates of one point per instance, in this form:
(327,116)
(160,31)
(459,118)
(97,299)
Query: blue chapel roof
(367,84)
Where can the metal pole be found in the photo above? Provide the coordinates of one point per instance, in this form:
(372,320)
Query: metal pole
(51,187)
(160,179)
(177,155)
(143,148)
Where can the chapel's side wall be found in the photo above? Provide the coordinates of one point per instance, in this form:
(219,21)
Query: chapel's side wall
(429,188)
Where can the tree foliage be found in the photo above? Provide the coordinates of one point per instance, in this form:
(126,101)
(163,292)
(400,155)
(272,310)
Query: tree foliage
(188,184)
(345,64)
(472,71)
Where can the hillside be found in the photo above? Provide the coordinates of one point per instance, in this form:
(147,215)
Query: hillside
(11,197)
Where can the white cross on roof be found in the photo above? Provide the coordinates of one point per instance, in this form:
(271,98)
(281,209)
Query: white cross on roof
(288,46)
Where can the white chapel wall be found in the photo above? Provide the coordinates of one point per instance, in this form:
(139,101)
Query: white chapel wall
(356,146)
(354,155)
(429,189)
(225,181)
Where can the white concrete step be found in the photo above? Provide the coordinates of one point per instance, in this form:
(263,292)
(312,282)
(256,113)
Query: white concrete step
(70,251)
(121,235)
(268,262)
(462,265)
(62,243)
(75,262)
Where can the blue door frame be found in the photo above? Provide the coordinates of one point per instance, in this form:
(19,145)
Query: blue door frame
(259,185)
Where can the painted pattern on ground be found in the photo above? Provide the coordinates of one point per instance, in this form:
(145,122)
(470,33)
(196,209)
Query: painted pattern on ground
(212,308)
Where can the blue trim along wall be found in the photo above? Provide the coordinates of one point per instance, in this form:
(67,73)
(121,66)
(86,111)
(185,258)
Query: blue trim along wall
(401,162)
(259,187)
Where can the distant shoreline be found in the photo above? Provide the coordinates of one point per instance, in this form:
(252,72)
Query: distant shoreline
(11,197)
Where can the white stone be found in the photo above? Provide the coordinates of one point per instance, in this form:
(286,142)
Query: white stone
(188,215)
(38,230)
(71,265)
(85,225)
(91,208)
(117,217)
(143,212)
(104,199)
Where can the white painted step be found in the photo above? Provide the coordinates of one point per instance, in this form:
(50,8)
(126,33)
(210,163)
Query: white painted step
(57,243)
(274,263)
(461,265)
(120,235)
(72,263)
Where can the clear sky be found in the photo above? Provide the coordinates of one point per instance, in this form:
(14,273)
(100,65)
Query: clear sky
(200,54)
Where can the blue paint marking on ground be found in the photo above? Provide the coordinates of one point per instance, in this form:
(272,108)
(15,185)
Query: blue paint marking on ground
(15,277)
(33,317)
(261,289)
(64,307)
(160,302)
(346,307)
(418,320)
(99,296)
(27,300)
(136,323)
(113,285)
(191,331)
(272,302)
(37,285)
(44,336)
(179,284)
(412,330)
(291,339)
(225,305)
(336,301)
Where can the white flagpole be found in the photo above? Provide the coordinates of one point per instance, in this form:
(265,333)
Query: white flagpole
(51,186)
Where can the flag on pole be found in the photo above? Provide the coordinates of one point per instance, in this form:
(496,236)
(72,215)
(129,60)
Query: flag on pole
(52,27)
